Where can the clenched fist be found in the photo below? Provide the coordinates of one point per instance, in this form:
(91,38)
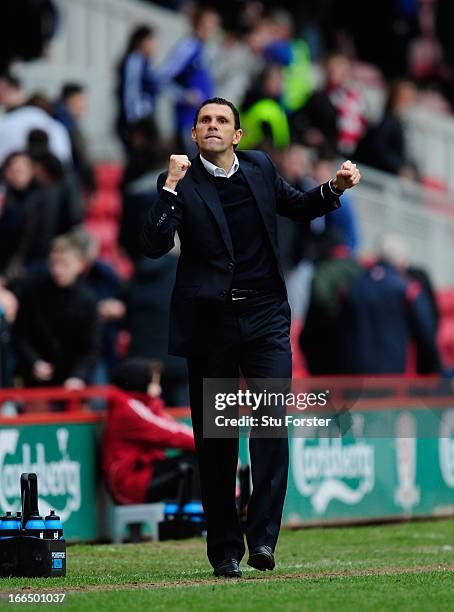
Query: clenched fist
(178,166)
(347,176)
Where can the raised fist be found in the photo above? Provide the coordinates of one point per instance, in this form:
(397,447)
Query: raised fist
(178,166)
(347,176)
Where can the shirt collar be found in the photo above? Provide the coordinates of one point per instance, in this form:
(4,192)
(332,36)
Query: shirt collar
(217,171)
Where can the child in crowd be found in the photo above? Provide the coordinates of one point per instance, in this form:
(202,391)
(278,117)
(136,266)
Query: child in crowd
(57,334)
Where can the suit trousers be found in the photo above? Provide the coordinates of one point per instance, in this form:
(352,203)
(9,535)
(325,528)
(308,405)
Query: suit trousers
(251,337)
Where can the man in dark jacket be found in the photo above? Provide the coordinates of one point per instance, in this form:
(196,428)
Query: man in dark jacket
(69,110)
(57,330)
(147,321)
(383,312)
(229,310)
(320,336)
(18,200)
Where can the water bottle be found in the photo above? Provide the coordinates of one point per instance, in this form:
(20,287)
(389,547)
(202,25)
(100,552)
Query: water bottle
(54,527)
(10,526)
(170,511)
(193,511)
(35,526)
(19,521)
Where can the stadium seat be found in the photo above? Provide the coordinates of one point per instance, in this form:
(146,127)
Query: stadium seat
(108,175)
(121,517)
(106,203)
(106,233)
(445,300)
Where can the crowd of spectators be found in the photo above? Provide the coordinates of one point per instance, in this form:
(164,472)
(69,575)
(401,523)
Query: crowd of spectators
(296,76)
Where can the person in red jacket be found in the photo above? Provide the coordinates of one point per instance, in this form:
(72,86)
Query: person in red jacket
(137,434)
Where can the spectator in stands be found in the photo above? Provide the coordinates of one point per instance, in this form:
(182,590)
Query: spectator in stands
(106,286)
(320,339)
(37,143)
(56,334)
(8,311)
(234,65)
(425,52)
(421,277)
(146,159)
(187,66)
(18,201)
(16,124)
(11,93)
(138,431)
(384,146)
(333,120)
(293,54)
(137,83)
(296,238)
(26,29)
(305,244)
(444,16)
(342,222)
(147,321)
(381,314)
(262,115)
(59,209)
(70,110)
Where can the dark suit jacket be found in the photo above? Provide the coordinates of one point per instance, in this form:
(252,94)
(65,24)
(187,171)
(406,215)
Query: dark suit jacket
(206,265)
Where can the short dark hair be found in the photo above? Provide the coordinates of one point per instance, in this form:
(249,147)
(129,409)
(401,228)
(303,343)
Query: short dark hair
(41,101)
(37,142)
(137,36)
(223,102)
(69,89)
(50,164)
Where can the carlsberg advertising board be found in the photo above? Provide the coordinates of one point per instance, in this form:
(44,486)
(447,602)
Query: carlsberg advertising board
(357,477)
(63,457)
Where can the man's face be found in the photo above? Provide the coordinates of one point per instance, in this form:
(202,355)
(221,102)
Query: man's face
(19,172)
(215,129)
(296,162)
(338,71)
(208,26)
(65,267)
(77,104)
(148,45)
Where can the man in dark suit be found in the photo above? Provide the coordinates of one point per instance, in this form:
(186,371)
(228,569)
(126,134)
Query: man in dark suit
(229,310)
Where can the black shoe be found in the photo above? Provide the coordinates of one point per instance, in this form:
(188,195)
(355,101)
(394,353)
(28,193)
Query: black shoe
(229,568)
(261,558)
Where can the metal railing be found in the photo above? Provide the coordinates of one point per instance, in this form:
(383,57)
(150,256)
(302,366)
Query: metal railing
(431,143)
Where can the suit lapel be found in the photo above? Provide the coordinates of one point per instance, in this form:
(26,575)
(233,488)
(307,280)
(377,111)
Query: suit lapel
(254,178)
(207,191)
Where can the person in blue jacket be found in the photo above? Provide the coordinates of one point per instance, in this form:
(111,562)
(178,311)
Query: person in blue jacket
(187,67)
(137,83)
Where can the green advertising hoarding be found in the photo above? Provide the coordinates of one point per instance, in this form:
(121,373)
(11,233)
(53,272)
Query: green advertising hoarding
(360,477)
(62,450)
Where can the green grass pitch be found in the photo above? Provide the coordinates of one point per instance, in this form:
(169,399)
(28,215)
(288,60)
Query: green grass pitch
(406,566)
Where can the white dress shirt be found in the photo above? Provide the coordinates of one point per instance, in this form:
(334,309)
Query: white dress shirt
(220,172)
(214,170)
